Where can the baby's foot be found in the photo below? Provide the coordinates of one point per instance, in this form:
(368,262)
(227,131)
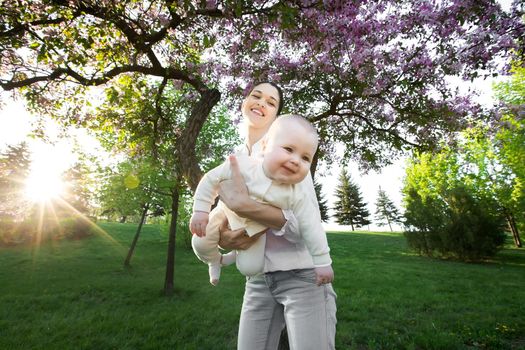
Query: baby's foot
(214,271)
(229,258)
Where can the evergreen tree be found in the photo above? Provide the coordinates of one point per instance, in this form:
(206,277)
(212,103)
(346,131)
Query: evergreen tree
(386,211)
(323,205)
(349,207)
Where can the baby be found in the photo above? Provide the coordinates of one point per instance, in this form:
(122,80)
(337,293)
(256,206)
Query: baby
(276,179)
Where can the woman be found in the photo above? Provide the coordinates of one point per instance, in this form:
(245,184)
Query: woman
(287,293)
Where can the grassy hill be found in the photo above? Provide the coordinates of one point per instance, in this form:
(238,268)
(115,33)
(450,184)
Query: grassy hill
(78,295)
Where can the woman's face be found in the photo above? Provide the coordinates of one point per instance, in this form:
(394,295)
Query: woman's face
(260,106)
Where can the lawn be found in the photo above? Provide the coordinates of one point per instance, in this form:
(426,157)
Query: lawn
(78,295)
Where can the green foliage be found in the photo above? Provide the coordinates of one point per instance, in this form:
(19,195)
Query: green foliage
(487,161)
(148,140)
(131,184)
(183,219)
(510,138)
(450,207)
(349,207)
(456,225)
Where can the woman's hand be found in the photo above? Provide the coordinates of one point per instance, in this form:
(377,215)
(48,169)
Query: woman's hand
(233,192)
(235,195)
(235,239)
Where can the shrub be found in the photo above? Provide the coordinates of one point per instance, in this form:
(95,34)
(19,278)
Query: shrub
(37,231)
(457,225)
(76,228)
(15,232)
(183,234)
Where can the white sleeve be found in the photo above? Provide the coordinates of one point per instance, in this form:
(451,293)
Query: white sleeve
(290,230)
(306,210)
(208,187)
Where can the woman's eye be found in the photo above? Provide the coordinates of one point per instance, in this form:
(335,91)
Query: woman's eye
(271,104)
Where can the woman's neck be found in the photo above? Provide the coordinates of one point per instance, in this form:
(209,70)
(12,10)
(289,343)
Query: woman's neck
(254,135)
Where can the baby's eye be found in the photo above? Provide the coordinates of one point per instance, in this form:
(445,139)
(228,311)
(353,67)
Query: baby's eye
(306,159)
(271,104)
(256,96)
(288,149)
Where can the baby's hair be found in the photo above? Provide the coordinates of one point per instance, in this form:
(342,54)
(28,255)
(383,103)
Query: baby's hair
(277,87)
(300,119)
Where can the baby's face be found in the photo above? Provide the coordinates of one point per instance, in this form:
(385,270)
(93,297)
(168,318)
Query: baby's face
(288,154)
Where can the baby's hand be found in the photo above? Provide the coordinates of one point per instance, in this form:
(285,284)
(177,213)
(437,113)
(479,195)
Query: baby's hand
(324,275)
(198,223)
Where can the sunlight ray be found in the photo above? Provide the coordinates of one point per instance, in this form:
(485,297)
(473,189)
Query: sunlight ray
(55,217)
(97,228)
(38,235)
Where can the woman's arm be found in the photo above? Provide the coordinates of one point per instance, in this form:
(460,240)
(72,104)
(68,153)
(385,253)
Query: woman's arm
(235,195)
(236,239)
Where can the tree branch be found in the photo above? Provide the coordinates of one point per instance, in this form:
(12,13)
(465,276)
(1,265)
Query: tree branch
(168,73)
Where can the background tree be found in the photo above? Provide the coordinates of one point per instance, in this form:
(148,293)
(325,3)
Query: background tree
(461,185)
(386,211)
(349,208)
(15,166)
(373,76)
(485,160)
(321,200)
(510,139)
(455,224)
(126,189)
(147,133)
(486,175)
(132,190)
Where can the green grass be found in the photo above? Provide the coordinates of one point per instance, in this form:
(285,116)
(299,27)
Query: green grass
(77,295)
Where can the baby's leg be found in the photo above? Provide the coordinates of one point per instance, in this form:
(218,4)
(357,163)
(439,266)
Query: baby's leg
(207,248)
(250,262)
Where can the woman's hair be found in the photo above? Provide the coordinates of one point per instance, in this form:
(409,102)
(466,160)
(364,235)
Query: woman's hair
(277,87)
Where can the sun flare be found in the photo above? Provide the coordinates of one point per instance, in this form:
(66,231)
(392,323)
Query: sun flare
(43,185)
(44,182)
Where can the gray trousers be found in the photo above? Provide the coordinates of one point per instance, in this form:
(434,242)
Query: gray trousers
(291,297)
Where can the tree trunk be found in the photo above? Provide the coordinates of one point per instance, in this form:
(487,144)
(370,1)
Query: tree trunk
(315,162)
(137,234)
(513,227)
(123,219)
(188,139)
(170,261)
(389,225)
